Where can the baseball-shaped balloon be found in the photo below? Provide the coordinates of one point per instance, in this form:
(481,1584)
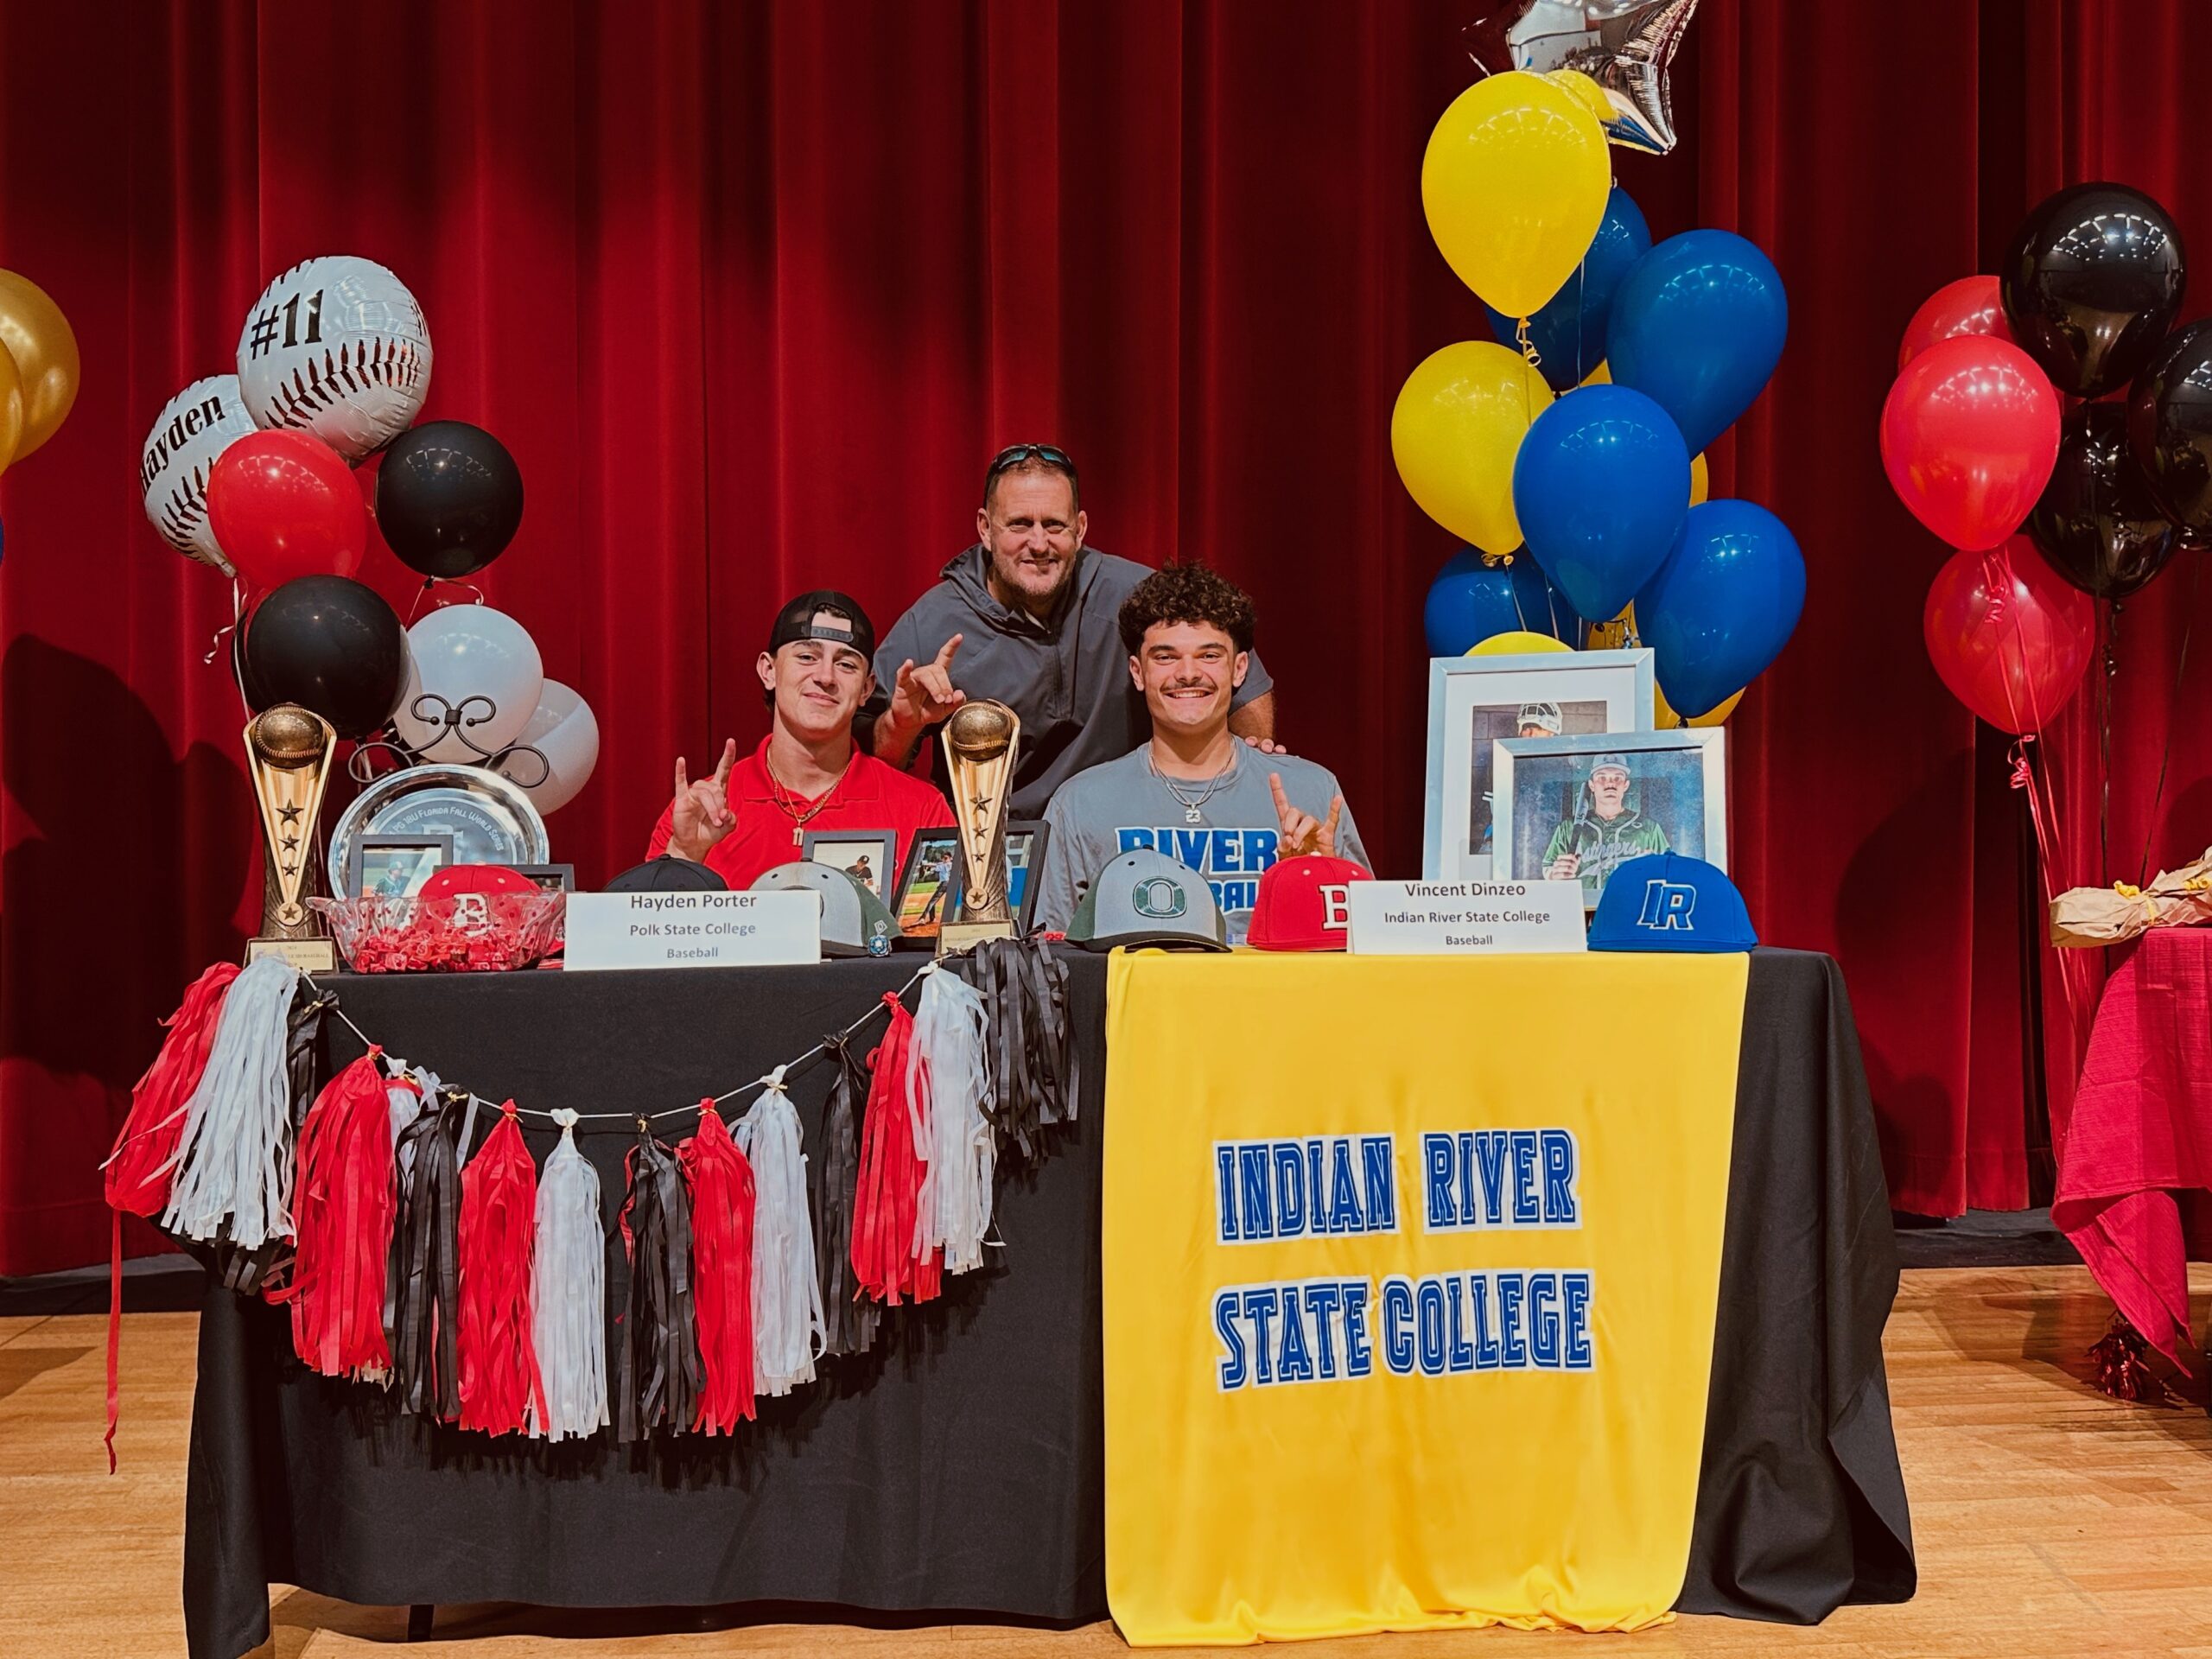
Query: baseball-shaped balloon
(483,665)
(189,435)
(338,347)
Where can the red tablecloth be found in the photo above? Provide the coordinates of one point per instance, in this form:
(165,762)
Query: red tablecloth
(2135,1153)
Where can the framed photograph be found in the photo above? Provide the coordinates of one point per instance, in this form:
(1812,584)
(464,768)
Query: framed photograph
(1474,701)
(554,878)
(1576,809)
(867,854)
(396,866)
(1025,857)
(930,881)
(927,884)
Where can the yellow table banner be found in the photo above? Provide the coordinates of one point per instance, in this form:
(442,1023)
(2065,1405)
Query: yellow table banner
(1410,1273)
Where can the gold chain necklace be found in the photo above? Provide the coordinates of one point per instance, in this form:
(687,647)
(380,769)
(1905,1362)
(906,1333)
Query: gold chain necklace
(787,801)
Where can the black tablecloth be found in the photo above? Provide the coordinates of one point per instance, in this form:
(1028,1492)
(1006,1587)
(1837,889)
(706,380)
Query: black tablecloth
(960,1467)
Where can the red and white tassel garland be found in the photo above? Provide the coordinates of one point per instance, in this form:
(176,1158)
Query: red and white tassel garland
(787,1325)
(948,1091)
(345,1202)
(568,1295)
(721,1255)
(136,1172)
(886,1206)
(498,1221)
(233,1176)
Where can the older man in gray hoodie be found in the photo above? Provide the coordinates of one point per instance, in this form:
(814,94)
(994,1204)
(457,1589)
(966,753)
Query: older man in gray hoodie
(1028,615)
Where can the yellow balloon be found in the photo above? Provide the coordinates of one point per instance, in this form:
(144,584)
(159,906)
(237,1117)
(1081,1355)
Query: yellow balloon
(1665,718)
(11,411)
(1600,376)
(1514,182)
(1457,428)
(1583,90)
(1518,643)
(38,337)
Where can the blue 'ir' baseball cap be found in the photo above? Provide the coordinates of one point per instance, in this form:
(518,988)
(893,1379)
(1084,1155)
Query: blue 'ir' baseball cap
(1670,901)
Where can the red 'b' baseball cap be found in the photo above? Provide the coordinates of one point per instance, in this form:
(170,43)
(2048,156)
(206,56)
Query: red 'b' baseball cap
(1302,904)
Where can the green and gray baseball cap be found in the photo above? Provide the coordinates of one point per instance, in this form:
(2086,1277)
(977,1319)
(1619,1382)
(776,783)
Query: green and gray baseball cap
(1145,897)
(854,922)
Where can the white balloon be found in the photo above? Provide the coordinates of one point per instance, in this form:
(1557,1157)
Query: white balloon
(336,347)
(462,651)
(563,730)
(192,430)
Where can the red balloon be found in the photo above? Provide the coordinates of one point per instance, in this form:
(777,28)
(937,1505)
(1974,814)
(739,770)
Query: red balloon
(1969,435)
(1969,306)
(284,504)
(2008,635)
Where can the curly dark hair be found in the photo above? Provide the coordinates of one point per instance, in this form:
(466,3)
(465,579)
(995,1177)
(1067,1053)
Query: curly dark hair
(1186,593)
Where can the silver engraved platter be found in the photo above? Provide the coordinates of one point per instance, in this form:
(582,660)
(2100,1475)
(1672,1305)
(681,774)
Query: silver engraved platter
(492,819)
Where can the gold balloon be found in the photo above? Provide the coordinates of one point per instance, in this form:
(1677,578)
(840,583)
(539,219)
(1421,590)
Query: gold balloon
(1518,643)
(1514,183)
(38,337)
(1455,431)
(11,411)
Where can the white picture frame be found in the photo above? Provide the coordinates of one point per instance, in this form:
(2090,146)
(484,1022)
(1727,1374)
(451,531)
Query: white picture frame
(1678,783)
(1609,691)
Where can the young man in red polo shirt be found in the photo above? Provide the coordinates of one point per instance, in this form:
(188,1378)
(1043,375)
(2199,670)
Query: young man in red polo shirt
(807,774)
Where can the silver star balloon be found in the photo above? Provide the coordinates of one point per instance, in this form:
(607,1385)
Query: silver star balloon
(1625,46)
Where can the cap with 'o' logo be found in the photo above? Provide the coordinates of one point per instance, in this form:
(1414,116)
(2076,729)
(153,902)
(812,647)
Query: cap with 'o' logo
(1670,901)
(854,922)
(1144,897)
(1304,905)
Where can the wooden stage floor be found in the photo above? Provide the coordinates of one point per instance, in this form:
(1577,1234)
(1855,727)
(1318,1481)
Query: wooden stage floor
(2050,1520)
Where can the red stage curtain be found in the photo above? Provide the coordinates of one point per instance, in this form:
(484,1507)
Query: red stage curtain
(753,291)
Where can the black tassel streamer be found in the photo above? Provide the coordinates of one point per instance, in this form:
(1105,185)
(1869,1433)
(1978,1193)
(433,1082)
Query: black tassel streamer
(663,1375)
(423,1290)
(849,1318)
(1029,1042)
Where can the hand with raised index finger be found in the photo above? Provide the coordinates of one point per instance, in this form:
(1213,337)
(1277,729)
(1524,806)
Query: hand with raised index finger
(701,816)
(1301,833)
(922,696)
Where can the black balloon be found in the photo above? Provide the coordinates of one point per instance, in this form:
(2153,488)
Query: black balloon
(2097,522)
(2091,283)
(2170,426)
(327,644)
(449,498)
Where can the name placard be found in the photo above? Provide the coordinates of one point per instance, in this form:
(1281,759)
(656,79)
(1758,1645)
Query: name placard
(693,930)
(1436,918)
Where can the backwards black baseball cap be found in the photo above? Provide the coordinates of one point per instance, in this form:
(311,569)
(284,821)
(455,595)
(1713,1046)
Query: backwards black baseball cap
(825,614)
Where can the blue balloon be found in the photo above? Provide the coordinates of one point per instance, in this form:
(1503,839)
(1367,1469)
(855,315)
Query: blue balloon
(1601,487)
(1475,596)
(1697,326)
(1723,606)
(1569,332)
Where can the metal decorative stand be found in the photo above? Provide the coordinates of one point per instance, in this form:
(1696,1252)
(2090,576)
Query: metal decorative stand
(454,721)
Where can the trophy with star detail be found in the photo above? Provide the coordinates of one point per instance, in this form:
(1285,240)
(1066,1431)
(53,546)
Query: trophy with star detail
(288,751)
(981,741)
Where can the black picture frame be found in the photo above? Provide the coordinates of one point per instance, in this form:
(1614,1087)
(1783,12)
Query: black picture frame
(1026,841)
(926,851)
(357,861)
(883,874)
(554,878)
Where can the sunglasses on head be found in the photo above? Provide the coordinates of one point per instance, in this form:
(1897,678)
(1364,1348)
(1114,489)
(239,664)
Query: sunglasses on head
(1014,453)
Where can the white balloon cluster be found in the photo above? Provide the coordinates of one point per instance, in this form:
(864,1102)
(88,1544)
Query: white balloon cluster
(482,664)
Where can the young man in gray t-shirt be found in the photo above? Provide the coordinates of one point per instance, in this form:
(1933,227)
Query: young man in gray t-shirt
(1193,792)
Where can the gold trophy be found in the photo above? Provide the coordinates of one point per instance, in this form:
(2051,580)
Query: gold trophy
(288,751)
(981,741)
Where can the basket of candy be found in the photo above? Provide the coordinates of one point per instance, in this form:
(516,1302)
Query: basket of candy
(460,932)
